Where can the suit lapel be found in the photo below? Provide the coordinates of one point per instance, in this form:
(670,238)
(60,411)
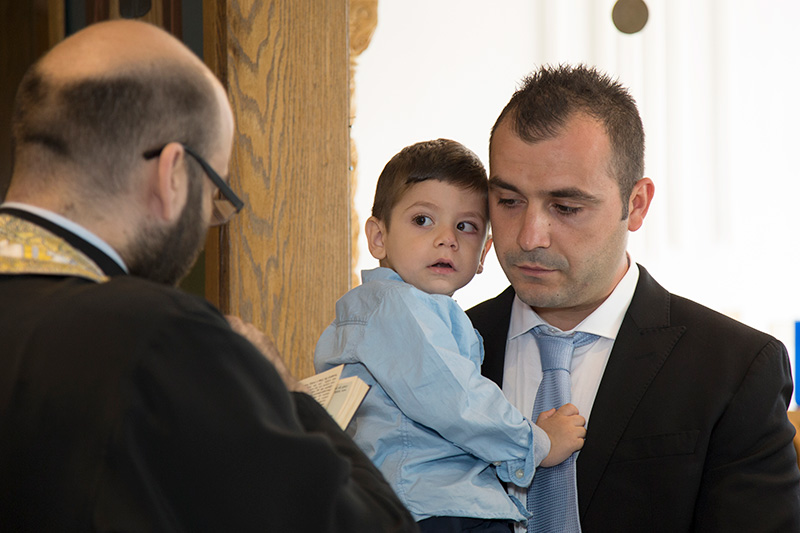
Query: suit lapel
(492,318)
(645,340)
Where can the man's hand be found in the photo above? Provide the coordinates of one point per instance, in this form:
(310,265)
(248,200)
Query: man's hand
(265,346)
(566,430)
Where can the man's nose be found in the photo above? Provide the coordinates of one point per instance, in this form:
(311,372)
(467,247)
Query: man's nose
(535,230)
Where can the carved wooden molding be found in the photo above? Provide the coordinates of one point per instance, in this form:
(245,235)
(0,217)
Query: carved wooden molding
(363,21)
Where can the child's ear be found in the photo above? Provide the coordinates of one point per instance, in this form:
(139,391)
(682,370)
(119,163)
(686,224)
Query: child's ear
(486,248)
(375,230)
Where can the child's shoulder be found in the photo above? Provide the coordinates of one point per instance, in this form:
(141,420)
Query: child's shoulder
(382,287)
(380,284)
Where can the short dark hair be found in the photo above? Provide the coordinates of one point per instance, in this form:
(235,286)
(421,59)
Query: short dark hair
(551,96)
(443,160)
(101,125)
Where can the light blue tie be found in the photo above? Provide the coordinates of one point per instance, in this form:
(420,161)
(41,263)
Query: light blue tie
(553,495)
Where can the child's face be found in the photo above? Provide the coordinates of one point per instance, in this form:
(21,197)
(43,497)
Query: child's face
(436,238)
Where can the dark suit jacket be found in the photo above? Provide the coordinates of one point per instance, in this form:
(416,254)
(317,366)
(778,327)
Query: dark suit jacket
(131,406)
(688,431)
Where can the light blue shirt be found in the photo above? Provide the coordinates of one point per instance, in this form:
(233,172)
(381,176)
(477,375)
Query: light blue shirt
(435,427)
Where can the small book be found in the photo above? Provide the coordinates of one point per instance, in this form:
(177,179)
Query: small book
(341,397)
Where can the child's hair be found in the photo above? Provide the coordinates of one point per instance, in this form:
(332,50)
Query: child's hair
(442,159)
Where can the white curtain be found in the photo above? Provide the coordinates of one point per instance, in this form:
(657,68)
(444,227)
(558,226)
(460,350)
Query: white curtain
(717,86)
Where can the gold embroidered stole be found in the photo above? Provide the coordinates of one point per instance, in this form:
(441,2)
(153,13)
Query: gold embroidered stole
(26,248)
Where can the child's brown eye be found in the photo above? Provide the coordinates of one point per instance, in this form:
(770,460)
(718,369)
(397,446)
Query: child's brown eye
(422,220)
(467,227)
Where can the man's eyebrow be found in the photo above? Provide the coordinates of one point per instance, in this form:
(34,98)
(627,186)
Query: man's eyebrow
(500,183)
(572,193)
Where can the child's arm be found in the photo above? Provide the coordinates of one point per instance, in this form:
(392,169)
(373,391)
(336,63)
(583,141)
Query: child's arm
(566,430)
(414,356)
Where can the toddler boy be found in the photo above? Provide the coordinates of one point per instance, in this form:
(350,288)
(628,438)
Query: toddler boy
(440,432)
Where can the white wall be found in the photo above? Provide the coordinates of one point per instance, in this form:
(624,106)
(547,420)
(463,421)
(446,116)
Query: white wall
(717,87)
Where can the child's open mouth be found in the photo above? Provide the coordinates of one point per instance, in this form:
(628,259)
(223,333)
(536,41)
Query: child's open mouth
(443,264)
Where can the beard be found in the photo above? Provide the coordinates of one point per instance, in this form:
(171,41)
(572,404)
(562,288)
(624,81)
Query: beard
(165,255)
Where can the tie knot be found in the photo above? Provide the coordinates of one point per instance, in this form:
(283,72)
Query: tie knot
(556,350)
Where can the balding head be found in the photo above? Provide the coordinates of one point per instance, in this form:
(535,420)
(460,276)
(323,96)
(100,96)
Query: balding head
(89,109)
(114,47)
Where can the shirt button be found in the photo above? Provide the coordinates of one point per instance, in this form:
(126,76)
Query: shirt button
(497,463)
(520,474)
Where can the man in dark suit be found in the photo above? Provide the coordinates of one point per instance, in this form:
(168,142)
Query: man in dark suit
(686,409)
(125,404)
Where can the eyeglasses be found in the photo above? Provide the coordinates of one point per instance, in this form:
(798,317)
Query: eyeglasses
(226,203)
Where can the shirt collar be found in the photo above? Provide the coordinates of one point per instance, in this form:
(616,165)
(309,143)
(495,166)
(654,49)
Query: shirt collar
(605,321)
(70,226)
(380,273)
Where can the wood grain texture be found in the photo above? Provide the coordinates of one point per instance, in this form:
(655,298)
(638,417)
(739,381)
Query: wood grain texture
(290,248)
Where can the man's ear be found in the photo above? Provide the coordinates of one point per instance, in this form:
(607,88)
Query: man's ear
(170,186)
(486,247)
(375,230)
(639,203)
